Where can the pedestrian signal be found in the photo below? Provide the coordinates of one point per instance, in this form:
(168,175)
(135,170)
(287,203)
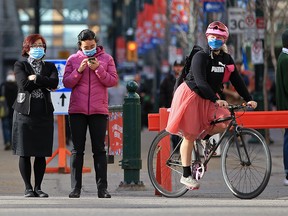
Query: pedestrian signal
(132,51)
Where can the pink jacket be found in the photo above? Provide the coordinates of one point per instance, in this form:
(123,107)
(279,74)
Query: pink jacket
(89,89)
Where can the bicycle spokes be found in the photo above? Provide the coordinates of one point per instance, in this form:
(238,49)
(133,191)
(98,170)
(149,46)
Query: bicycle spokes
(246,166)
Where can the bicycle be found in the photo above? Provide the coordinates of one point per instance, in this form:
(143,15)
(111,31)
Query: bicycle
(245,160)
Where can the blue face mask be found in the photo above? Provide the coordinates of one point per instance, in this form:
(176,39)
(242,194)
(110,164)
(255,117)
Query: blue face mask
(36,52)
(214,43)
(90,52)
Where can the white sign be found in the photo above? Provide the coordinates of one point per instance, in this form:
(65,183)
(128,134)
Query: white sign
(236,22)
(60,97)
(250,26)
(60,102)
(257,53)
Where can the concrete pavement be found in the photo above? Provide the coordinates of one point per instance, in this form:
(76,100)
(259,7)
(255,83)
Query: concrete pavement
(58,185)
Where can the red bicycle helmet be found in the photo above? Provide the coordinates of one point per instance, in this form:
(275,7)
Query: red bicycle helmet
(217,28)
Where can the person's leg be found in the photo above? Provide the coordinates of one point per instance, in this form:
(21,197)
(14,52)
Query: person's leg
(175,140)
(78,126)
(6,132)
(25,171)
(97,129)
(285,154)
(186,149)
(39,171)
(67,131)
(9,131)
(218,128)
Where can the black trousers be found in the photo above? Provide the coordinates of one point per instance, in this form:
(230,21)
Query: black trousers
(97,127)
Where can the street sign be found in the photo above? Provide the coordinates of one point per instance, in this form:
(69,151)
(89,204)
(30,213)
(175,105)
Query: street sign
(214,6)
(250,26)
(60,102)
(236,22)
(60,97)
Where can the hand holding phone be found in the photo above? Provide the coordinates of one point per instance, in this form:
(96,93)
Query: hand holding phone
(91,60)
(93,63)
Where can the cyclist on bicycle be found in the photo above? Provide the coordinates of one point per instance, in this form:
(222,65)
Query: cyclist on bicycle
(196,101)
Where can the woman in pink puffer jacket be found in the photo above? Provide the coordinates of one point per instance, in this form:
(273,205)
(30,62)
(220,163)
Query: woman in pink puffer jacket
(89,73)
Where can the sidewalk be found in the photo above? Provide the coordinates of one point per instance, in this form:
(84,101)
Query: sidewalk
(212,184)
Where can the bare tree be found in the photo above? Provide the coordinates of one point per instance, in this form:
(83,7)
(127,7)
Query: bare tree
(275,13)
(275,16)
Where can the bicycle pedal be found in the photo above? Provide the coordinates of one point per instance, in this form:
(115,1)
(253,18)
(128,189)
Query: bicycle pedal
(192,188)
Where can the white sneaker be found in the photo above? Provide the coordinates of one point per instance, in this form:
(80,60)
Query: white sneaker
(285,182)
(191,183)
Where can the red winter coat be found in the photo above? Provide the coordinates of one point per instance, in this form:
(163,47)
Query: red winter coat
(89,89)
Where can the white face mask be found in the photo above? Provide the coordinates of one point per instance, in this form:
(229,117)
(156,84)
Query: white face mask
(10,78)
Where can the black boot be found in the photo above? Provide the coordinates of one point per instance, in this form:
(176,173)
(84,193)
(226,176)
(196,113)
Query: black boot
(100,166)
(40,193)
(76,169)
(103,193)
(75,193)
(29,193)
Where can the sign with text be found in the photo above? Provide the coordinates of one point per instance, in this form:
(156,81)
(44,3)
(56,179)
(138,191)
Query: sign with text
(60,97)
(236,20)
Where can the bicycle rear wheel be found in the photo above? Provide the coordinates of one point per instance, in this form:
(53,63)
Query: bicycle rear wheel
(164,169)
(246,167)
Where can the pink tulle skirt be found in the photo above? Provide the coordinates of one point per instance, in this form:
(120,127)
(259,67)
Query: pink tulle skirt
(190,114)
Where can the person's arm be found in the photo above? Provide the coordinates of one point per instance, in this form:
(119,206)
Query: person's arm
(107,76)
(284,74)
(198,67)
(71,75)
(21,76)
(51,81)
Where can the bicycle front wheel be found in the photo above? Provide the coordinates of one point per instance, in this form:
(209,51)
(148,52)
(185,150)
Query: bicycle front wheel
(246,166)
(164,165)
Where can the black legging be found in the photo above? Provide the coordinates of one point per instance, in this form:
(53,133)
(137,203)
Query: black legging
(39,170)
(97,124)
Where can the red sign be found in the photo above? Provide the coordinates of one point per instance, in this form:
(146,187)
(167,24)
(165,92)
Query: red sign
(250,21)
(260,23)
(115,133)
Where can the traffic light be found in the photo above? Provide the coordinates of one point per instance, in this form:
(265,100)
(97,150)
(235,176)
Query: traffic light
(131,51)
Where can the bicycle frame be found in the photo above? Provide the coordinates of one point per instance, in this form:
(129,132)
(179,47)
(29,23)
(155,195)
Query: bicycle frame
(232,124)
(236,129)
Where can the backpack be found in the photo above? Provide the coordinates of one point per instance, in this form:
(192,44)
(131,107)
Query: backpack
(187,66)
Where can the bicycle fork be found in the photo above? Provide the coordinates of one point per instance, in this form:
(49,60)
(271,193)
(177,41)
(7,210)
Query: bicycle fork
(237,133)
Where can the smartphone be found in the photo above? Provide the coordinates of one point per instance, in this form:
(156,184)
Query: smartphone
(91,58)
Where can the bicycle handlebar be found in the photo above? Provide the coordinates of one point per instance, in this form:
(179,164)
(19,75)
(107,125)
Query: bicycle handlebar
(233,107)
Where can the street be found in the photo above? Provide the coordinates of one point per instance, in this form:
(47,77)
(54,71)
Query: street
(213,197)
(140,205)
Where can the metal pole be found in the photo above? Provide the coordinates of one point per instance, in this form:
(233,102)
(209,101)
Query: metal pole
(131,162)
(37,17)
